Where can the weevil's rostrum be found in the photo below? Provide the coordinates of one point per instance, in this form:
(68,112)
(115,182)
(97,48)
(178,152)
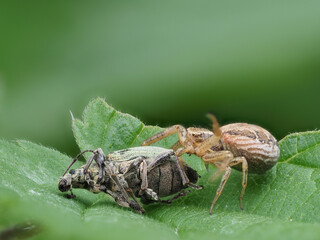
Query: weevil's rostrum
(144,172)
(229,146)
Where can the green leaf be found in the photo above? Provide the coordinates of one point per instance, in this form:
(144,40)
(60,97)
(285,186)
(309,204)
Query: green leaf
(29,192)
(286,196)
(104,127)
(281,204)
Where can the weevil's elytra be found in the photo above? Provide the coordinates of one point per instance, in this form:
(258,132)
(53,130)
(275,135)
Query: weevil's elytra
(144,172)
(139,152)
(243,146)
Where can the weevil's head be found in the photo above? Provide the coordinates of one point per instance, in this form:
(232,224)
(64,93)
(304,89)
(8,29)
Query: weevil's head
(74,179)
(64,184)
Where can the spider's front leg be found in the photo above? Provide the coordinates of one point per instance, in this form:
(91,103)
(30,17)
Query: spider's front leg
(180,130)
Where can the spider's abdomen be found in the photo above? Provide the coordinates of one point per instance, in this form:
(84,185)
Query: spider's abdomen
(254,143)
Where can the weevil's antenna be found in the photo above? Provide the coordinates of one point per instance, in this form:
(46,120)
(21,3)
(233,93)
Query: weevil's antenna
(72,117)
(75,159)
(85,169)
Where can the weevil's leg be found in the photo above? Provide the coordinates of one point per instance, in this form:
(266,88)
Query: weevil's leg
(125,190)
(153,197)
(179,162)
(85,170)
(144,169)
(144,175)
(221,187)
(162,158)
(194,186)
(244,162)
(70,196)
(75,159)
(118,197)
(99,158)
(180,194)
(182,133)
(134,204)
(149,196)
(123,202)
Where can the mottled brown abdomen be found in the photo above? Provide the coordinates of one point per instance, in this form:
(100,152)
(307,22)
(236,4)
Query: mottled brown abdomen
(166,180)
(256,144)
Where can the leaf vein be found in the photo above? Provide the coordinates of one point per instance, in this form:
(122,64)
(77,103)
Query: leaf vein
(298,153)
(106,128)
(140,131)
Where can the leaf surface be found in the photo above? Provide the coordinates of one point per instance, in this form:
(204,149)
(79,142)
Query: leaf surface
(283,203)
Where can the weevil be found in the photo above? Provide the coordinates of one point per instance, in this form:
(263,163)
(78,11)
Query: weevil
(239,143)
(144,172)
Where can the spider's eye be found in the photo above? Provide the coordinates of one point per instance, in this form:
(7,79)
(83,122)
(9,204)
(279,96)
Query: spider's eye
(72,171)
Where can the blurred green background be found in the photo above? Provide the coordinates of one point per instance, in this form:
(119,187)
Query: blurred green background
(165,62)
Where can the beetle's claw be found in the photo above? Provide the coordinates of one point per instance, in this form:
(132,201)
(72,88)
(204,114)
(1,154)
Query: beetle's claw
(70,196)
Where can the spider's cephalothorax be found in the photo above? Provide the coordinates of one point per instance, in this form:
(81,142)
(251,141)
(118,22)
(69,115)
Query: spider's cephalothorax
(239,143)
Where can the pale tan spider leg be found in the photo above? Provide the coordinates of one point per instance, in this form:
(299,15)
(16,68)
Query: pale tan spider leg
(244,162)
(224,159)
(220,188)
(176,146)
(182,133)
(215,125)
(206,145)
(211,141)
(221,159)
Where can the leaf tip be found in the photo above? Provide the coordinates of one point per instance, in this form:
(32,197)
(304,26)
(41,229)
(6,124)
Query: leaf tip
(72,117)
